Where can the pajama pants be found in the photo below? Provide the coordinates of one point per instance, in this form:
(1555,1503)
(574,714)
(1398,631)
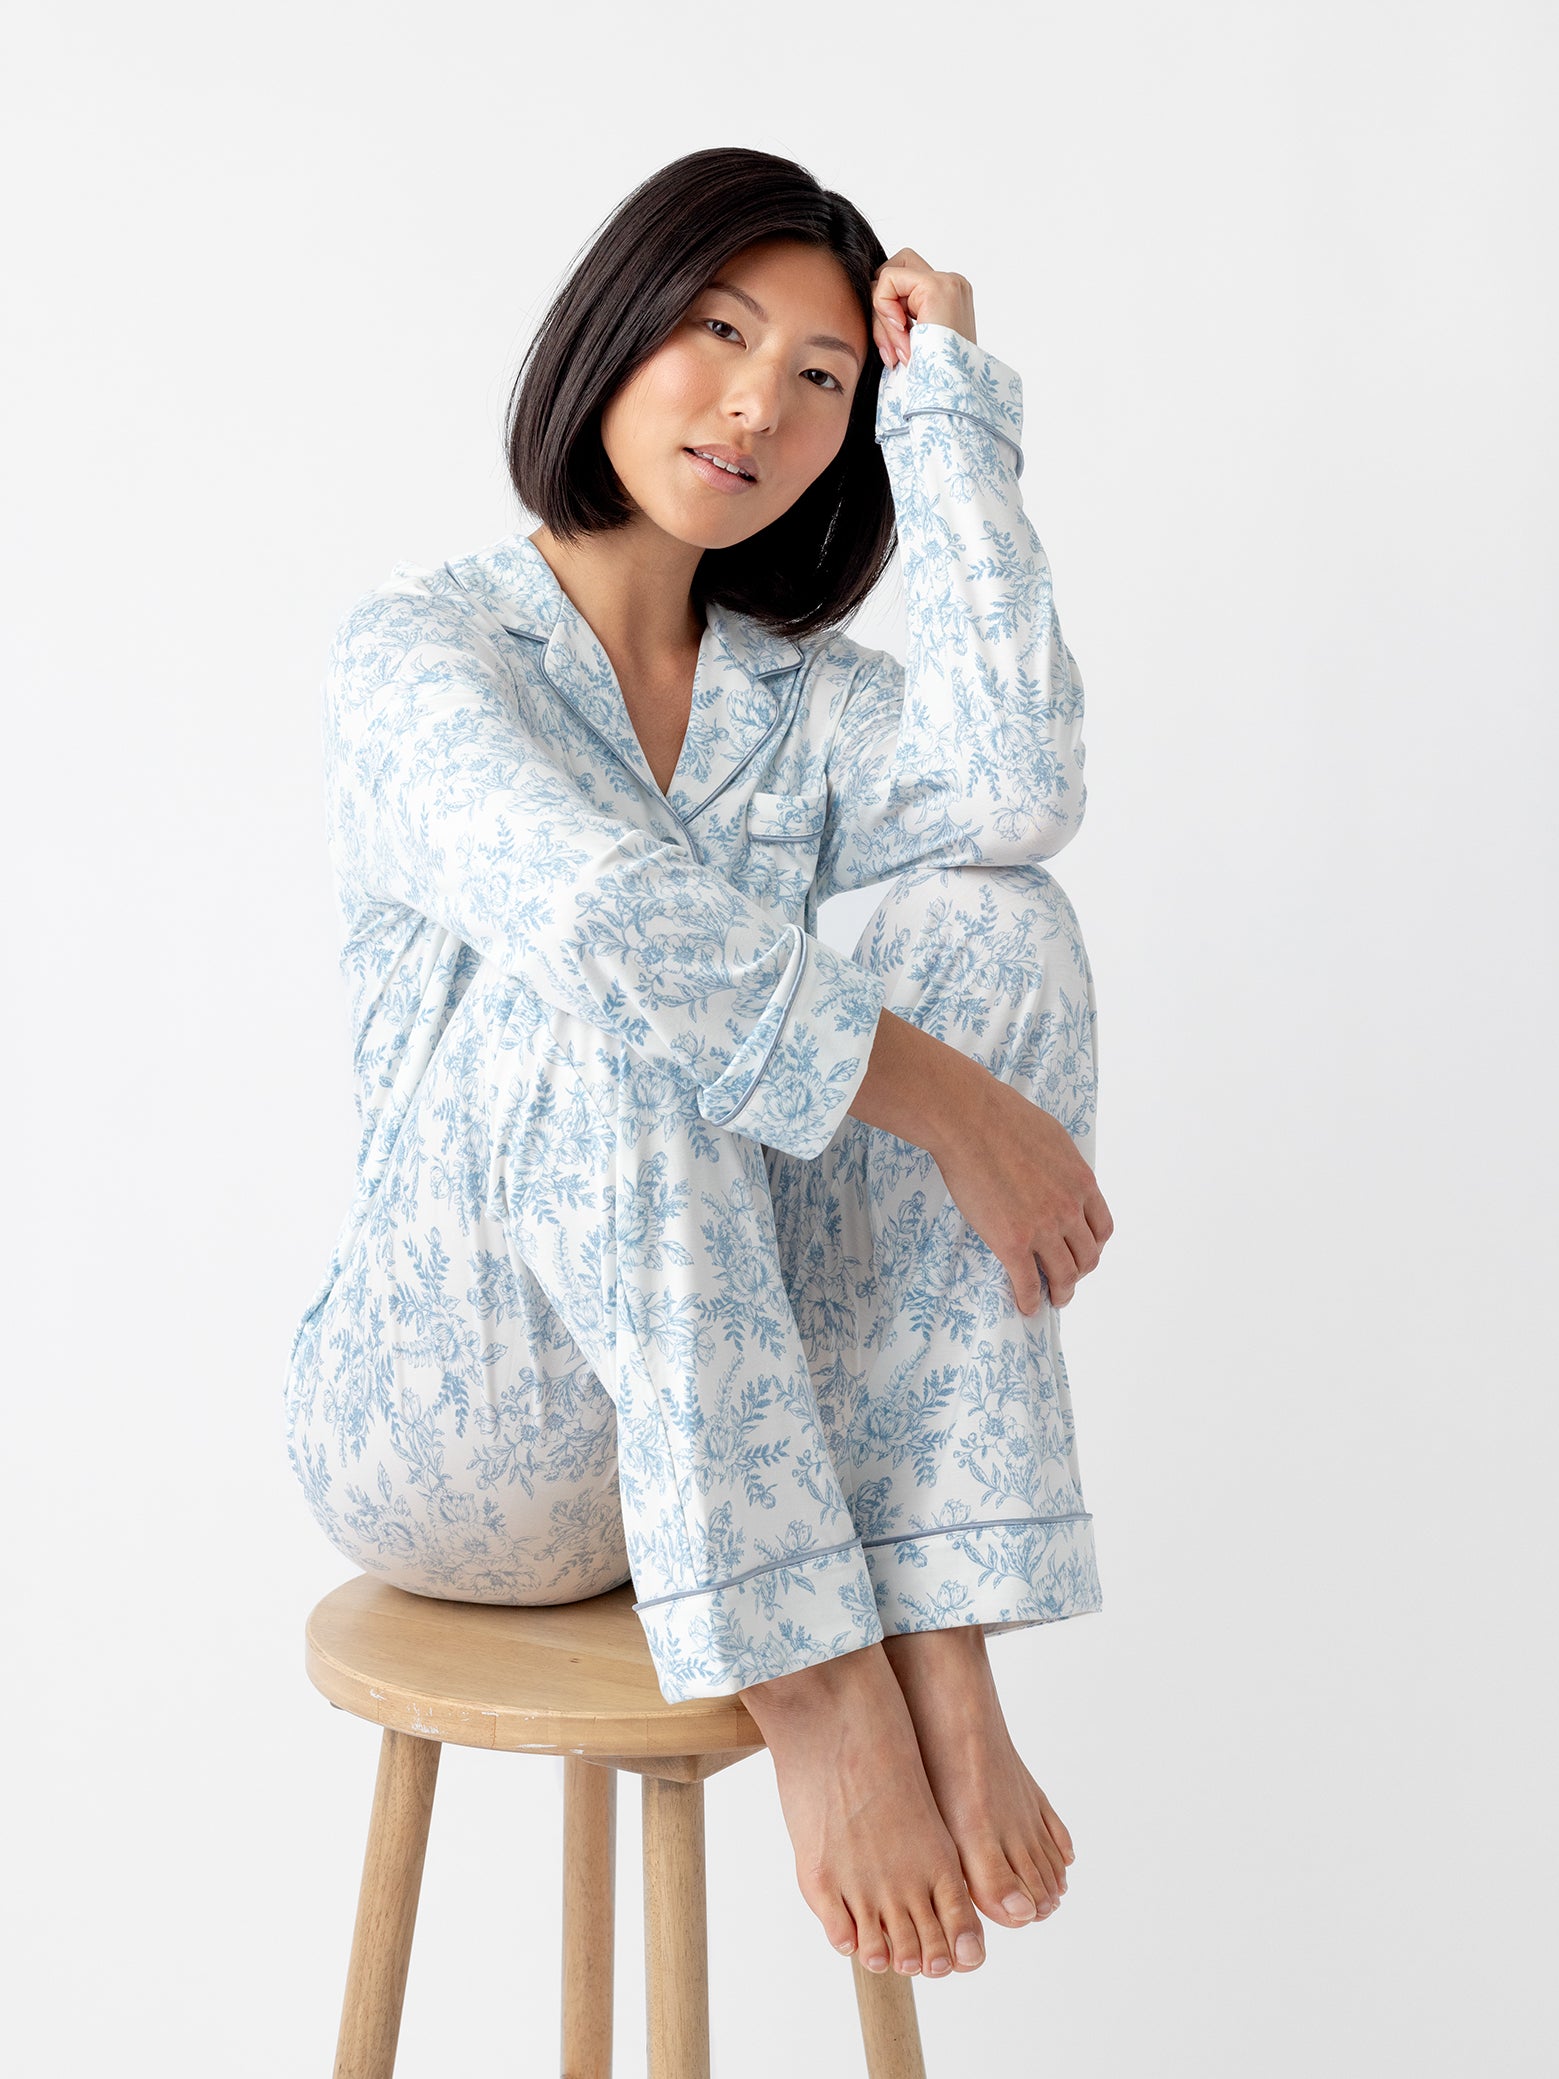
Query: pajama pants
(583,1336)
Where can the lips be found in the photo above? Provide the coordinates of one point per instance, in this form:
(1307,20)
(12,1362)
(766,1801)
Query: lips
(732,459)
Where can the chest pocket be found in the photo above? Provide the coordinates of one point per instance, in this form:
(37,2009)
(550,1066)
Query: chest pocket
(786,831)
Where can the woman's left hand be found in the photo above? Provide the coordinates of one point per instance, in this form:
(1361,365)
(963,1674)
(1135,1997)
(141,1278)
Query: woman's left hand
(907,288)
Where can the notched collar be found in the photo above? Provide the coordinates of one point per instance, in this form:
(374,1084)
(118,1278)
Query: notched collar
(740,689)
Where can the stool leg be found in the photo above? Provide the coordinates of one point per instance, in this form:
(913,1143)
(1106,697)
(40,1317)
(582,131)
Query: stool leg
(676,1949)
(890,2027)
(589,1878)
(387,1906)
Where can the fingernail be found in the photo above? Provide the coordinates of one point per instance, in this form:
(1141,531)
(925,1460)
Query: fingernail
(970,1948)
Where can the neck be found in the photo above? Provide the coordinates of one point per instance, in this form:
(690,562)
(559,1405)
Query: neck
(632,586)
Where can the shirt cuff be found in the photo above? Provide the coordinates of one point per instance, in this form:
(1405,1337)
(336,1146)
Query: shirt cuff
(947,373)
(792,1081)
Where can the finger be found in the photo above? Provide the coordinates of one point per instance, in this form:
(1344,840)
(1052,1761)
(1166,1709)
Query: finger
(893,291)
(887,343)
(907,284)
(905,261)
(893,282)
(898,349)
(1061,1270)
(896,329)
(1027,1290)
(1084,1245)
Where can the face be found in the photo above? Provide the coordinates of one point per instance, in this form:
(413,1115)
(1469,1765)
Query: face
(761,368)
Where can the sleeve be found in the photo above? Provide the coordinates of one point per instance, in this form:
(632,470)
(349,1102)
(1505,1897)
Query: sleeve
(971,751)
(446,801)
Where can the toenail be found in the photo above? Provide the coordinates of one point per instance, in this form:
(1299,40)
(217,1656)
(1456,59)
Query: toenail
(970,1948)
(1019,1905)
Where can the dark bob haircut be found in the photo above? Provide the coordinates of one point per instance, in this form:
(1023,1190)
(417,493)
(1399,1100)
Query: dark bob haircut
(810,568)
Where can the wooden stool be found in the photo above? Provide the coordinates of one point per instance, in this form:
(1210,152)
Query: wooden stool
(574,1679)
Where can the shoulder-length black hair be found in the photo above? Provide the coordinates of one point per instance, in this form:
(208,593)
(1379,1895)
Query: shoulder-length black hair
(810,568)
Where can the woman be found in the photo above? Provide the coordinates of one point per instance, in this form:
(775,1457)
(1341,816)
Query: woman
(684,1248)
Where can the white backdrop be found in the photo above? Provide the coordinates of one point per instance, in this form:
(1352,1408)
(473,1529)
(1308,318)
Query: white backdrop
(1279,281)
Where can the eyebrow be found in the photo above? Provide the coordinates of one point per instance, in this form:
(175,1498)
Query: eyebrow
(822,339)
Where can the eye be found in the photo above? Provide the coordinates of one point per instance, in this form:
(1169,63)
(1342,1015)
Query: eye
(827,374)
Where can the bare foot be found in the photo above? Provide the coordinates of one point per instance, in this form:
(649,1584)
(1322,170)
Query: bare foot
(874,1858)
(1012,1845)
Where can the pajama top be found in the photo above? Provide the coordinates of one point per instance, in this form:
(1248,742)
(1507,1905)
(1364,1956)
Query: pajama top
(485,788)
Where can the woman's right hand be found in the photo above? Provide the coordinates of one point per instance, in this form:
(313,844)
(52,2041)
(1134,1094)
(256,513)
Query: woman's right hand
(1015,1174)
(907,290)
(1011,1167)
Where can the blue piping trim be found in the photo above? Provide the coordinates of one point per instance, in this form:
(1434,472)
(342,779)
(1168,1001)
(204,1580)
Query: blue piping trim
(952,411)
(782,717)
(939,1530)
(529,635)
(772,1566)
(768,1052)
(946,1530)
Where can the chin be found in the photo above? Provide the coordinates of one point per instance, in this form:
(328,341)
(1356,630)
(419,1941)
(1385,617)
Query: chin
(699,534)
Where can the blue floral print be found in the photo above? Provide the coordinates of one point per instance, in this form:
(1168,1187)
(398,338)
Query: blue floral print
(623,1291)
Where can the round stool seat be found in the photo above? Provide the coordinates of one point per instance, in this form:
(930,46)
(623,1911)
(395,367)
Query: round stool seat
(563,1678)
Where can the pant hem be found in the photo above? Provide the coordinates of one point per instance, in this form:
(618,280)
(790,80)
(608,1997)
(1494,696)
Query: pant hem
(776,1620)
(1000,1573)
(769,1566)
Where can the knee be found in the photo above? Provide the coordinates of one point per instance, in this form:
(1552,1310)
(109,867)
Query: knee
(1016,921)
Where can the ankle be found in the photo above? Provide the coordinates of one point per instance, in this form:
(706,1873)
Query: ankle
(819,1687)
(949,1644)
(941,1669)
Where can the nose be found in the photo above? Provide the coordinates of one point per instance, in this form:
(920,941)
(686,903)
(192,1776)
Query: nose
(753,394)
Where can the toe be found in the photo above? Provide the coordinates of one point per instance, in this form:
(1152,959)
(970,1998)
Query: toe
(905,1939)
(993,1882)
(1057,1831)
(839,1926)
(1038,1879)
(1040,1871)
(873,1947)
(935,1959)
(960,1922)
(838,1922)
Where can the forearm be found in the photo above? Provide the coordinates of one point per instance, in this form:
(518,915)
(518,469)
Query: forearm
(991,714)
(917,1086)
(970,751)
